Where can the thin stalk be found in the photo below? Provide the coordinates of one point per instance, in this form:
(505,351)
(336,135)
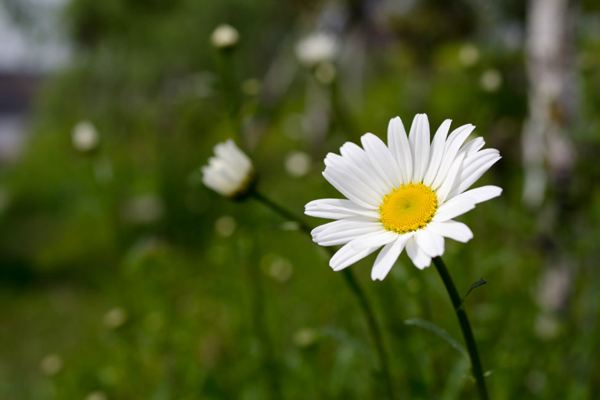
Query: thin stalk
(230,87)
(465,326)
(260,325)
(353,285)
(374,329)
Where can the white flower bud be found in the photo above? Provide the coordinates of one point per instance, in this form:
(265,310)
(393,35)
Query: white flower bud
(51,364)
(230,172)
(317,48)
(224,36)
(490,80)
(468,55)
(84,137)
(115,317)
(297,163)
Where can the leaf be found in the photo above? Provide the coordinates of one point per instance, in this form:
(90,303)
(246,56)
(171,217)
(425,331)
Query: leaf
(480,282)
(433,328)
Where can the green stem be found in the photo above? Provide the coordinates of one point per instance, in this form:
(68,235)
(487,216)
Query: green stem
(354,286)
(373,329)
(230,86)
(465,326)
(260,325)
(283,212)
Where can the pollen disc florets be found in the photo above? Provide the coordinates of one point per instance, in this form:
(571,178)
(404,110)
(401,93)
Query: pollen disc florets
(408,208)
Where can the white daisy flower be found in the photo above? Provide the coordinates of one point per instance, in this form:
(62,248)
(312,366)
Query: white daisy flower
(402,196)
(230,172)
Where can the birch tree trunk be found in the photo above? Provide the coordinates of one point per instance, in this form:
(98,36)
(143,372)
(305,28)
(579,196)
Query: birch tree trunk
(548,155)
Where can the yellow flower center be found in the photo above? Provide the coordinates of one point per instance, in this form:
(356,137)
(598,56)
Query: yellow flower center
(408,208)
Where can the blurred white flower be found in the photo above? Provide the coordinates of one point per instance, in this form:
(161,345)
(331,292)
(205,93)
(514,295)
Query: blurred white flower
(96,395)
(490,80)
(115,317)
(297,163)
(85,137)
(224,36)
(468,55)
(277,267)
(317,48)
(51,364)
(230,172)
(225,225)
(305,337)
(405,195)
(143,209)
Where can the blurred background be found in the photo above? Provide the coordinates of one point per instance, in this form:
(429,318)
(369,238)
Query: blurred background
(122,277)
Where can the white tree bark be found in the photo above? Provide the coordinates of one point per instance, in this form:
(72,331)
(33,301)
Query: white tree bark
(547,150)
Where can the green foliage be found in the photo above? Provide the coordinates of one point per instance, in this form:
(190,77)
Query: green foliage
(117,260)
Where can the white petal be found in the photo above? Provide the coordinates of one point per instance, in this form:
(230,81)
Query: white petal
(387,258)
(437,152)
(343,231)
(218,182)
(452,229)
(420,144)
(468,180)
(354,155)
(224,168)
(337,209)
(381,158)
(453,208)
(483,193)
(453,144)
(451,178)
(233,155)
(431,242)
(229,171)
(351,188)
(348,255)
(416,254)
(360,170)
(473,145)
(374,239)
(400,148)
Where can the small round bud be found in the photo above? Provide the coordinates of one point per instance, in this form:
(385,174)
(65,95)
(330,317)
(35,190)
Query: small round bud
(225,225)
(317,48)
(468,55)
(115,317)
(51,364)
(84,137)
(224,36)
(297,163)
(490,80)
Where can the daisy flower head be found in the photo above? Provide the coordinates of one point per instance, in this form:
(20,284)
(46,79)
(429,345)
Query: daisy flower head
(403,195)
(229,172)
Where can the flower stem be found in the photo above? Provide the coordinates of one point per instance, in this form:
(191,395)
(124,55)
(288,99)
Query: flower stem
(260,325)
(365,305)
(465,326)
(353,285)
